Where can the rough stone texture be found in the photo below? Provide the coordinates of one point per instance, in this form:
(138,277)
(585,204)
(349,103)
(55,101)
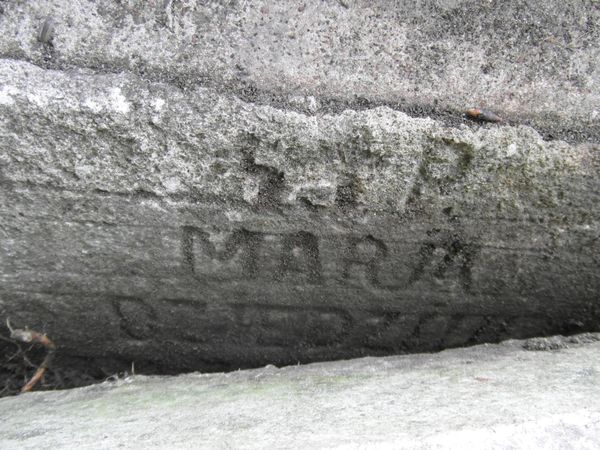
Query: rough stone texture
(484,397)
(232,184)
(532,60)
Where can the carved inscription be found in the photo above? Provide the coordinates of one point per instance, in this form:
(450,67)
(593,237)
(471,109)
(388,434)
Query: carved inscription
(137,317)
(292,326)
(243,254)
(234,327)
(442,168)
(184,320)
(363,259)
(269,181)
(440,252)
(196,322)
(221,255)
(295,258)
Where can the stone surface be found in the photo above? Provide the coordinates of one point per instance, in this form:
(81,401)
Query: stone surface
(227,185)
(490,396)
(531,60)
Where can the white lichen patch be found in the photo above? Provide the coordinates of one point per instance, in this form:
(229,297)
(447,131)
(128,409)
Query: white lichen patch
(511,150)
(172,184)
(158,104)
(84,170)
(92,104)
(115,101)
(37,99)
(118,101)
(234,216)
(6,93)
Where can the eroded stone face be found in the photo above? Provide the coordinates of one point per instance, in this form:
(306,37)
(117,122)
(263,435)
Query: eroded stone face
(240,234)
(184,227)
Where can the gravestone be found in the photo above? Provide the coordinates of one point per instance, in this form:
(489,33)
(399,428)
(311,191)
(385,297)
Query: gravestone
(223,185)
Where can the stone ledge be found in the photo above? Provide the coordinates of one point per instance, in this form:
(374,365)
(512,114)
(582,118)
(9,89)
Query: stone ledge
(491,396)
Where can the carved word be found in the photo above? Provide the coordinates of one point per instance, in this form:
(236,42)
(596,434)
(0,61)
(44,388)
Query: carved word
(257,325)
(305,259)
(222,329)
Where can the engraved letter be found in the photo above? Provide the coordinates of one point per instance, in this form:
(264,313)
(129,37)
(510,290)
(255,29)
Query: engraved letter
(363,259)
(223,255)
(440,252)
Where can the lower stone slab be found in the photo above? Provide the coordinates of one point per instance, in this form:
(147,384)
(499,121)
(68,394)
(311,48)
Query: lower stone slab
(177,286)
(519,394)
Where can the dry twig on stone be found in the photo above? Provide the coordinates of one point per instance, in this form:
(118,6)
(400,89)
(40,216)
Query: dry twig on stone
(33,337)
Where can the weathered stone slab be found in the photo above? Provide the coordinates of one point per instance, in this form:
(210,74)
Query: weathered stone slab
(153,210)
(494,396)
(534,61)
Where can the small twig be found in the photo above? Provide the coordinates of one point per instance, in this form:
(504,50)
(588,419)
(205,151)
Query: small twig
(8,325)
(33,337)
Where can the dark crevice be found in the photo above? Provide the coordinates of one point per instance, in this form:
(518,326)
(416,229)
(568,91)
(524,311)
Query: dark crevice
(172,336)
